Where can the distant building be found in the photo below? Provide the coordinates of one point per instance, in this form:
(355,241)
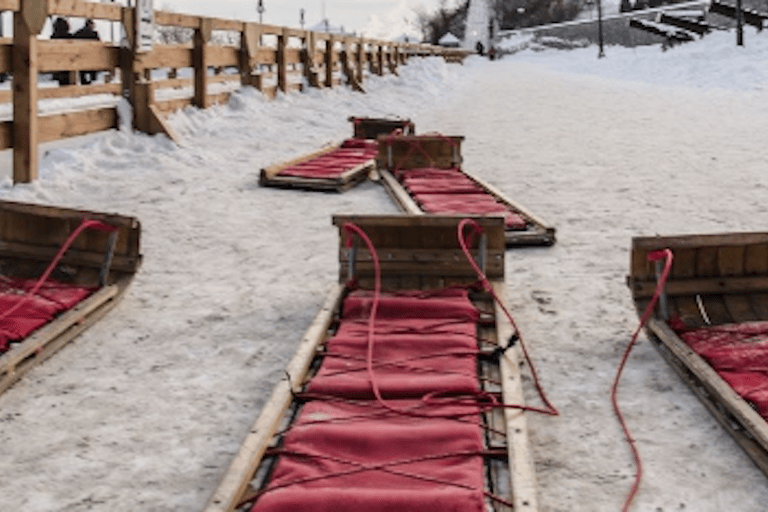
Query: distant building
(449,41)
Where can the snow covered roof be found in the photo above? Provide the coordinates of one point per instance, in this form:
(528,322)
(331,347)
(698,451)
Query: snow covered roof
(326,26)
(449,40)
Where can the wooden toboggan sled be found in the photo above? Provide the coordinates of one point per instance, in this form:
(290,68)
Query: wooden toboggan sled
(711,325)
(336,167)
(39,317)
(423,174)
(324,442)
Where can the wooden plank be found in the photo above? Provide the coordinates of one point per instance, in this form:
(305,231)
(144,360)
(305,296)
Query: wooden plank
(730,260)
(9,5)
(697,241)
(739,308)
(6,57)
(77,55)
(25,120)
(756,259)
(76,91)
(72,124)
(243,467)
(6,134)
(171,56)
(401,197)
(227,56)
(80,9)
(704,286)
(521,468)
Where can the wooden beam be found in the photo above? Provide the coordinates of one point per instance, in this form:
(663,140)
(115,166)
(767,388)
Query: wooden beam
(74,55)
(329,44)
(73,124)
(80,9)
(282,83)
(25,122)
(202,37)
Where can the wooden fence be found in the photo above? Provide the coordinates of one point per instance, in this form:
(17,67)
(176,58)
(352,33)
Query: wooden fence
(270,58)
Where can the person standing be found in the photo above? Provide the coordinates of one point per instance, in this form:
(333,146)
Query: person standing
(61,31)
(87,31)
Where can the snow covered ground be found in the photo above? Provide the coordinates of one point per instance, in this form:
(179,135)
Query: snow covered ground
(145,410)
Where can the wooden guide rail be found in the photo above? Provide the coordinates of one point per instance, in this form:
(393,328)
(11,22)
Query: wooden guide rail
(270,58)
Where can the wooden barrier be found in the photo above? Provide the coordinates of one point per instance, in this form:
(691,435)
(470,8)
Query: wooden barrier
(271,58)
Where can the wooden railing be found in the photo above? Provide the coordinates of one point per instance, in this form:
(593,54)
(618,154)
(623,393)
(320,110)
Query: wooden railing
(270,58)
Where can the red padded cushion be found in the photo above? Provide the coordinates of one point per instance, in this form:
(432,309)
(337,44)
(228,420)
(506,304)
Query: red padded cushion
(350,457)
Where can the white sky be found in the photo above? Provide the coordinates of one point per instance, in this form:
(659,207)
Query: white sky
(353,15)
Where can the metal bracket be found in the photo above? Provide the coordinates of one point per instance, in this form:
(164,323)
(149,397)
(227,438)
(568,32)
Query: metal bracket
(663,304)
(352,260)
(108,257)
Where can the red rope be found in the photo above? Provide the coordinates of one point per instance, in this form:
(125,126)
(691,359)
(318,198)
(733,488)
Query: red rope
(477,229)
(654,256)
(85,224)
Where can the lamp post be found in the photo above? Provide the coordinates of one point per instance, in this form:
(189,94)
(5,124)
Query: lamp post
(260,9)
(301,18)
(601,53)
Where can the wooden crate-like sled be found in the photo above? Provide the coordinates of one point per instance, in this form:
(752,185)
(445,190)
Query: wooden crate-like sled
(717,282)
(30,237)
(444,152)
(295,174)
(416,253)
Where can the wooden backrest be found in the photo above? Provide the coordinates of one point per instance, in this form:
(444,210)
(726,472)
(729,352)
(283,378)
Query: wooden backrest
(418,151)
(703,264)
(32,232)
(372,127)
(419,250)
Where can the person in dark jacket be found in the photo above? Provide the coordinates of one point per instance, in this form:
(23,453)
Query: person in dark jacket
(88,31)
(61,31)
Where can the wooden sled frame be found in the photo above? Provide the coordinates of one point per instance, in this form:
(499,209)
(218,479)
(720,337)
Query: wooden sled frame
(270,176)
(363,128)
(728,275)
(415,252)
(446,153)
(30,236)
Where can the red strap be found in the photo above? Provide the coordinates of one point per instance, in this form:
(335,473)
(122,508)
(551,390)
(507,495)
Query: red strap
(85,224)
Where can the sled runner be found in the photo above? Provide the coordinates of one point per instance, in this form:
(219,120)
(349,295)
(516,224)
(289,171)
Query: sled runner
(711,325)
(43,304)
(406,433)
(423,174)
(337,167)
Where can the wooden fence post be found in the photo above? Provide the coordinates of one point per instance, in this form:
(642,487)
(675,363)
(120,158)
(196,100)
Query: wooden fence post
(359,60)
(128,57)
(329,44)
(200,59)
(310,49)
(249,55)
(27,24)
(380,60)
(282,79)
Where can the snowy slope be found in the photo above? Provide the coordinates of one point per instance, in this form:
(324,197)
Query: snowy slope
(145,410)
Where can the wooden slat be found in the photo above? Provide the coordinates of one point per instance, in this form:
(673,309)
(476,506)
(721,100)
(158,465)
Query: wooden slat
(739,308)
(171,56)
(9,5)
(698,241)
(695,286)
(75,55)
(80,9)
(72,124)
(6,46)
(243,467)
(6,134)
(756,259)
(522,472)
(730,260)
(222,55)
